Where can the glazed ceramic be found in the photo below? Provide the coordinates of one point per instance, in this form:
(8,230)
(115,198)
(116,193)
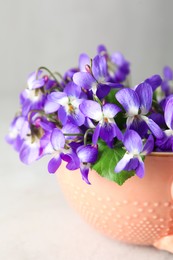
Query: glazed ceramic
(139,212)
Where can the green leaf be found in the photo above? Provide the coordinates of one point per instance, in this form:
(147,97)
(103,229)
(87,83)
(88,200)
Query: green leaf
(108,159)
(110,98)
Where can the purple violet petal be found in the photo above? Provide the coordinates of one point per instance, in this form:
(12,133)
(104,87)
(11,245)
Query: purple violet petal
(58,97)
(154,128)
(72,89)
(168,114)
(54,164)
(101,49)
(88,123)
(129,99)
(107,132)
(62,115)
(139,125)
(72,160)
(118,59)
(87,153)
(29,152)
(57,139)
(129,121)
(26,107)
(110,110)
(99,68)
(114,85)
(18,143)
(132,165)
(158,119)
(51,107)
(69,74)
(96,134)
(140,170)
(83,80)
(145,94)
(133,142)
(46,125)
(120,75)
(70,128)
(149,145)
(23,96)
(168,73)
(123,163)
(102,90)
(119,134)
(77,118)
(25,129)
(167,143)
(50,83)
(45,144)
(154,81)
(164,101)
(165,88)
(91,109)
(34,83)
(84,172)
(83,61)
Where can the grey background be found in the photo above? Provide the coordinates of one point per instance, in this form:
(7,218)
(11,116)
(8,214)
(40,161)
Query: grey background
(35,221)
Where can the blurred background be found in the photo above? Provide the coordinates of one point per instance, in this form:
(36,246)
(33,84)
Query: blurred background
(35,221)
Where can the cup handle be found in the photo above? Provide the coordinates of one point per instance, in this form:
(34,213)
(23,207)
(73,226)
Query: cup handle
(165,243)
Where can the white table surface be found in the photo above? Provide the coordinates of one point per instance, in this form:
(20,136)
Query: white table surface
(35,221)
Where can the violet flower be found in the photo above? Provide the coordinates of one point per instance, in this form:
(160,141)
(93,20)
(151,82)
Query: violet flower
(31,100)
(17,131)
(154,81)
(95,78)
(132,159)
(30,149)
(58,142)
(67,118)
(33,146)
(166,143)
(137,104)
(35,81)
(68,76)
(118,66)
(87,155)
(21,138)
(106,128)
(24,141)
(60,147)
(122,67)
(167,84)
(67,104)
(84,61)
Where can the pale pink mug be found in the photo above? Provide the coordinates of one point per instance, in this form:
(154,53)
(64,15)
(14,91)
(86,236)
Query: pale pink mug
(139,212)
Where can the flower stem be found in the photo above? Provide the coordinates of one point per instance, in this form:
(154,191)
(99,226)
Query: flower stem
(61,77)
(75,134)
(86,135)
(34,111)
(97,99)
(51,74)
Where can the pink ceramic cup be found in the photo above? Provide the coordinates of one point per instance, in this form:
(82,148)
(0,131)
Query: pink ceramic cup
(139,212)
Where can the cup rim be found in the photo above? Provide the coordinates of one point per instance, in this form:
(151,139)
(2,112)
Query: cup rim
(161,154)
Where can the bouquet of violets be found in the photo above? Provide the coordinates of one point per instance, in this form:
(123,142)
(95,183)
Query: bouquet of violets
(92,118)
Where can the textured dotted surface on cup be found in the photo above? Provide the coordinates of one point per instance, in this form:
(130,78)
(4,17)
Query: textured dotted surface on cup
(139,212)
